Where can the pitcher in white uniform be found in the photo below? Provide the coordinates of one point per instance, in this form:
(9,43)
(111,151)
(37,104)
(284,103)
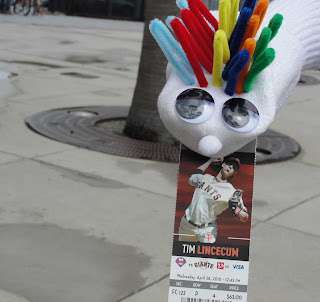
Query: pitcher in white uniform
(210,198)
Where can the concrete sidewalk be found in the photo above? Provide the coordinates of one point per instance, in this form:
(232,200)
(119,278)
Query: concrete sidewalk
(79,226)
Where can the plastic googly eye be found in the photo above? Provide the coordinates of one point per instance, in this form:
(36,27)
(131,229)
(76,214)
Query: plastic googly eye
(194,106)
(240,115)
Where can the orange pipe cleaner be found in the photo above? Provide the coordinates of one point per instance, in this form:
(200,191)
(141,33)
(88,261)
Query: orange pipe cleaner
(250,45)
(253,24)
(260,11)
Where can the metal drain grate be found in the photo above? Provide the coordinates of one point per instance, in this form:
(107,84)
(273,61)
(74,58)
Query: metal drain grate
(100,129)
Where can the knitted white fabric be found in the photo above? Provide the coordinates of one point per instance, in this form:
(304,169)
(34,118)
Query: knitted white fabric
(302,20)
(297,47)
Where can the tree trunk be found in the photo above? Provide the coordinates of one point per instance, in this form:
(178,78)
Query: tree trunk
(143,121)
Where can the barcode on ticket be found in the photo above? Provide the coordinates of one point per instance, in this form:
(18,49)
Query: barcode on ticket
(200,300)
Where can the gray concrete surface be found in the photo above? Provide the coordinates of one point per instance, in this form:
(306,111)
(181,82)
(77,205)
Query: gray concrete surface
(78,226)
(31,254)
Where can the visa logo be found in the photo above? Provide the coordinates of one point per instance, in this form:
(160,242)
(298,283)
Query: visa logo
(238,266)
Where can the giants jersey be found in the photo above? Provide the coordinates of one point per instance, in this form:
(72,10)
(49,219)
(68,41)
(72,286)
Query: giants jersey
(210,198)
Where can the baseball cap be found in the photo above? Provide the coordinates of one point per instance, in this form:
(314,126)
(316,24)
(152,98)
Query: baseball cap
(233,161)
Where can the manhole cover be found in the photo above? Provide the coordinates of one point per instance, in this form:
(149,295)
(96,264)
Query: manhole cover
(100,129)
(274,147)
(82,113)
(78,127)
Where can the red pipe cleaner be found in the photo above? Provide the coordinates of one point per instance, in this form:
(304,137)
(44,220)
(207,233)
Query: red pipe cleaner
(186,42)
(193,6)
(200,55)
(206,13)
(197,32)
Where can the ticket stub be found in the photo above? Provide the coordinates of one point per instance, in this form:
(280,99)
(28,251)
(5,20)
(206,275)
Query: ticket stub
(210,258)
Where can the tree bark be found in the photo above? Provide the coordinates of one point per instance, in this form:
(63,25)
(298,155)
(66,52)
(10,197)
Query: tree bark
(143,121)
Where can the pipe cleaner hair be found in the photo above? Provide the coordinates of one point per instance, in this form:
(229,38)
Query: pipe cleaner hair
(227,80)
(197,44)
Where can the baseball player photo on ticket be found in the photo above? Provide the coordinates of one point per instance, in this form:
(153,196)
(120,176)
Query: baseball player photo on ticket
(212,227)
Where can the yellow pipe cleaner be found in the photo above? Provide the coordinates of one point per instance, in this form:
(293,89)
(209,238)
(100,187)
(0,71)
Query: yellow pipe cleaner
(224,15)
(233,16)
(221,56)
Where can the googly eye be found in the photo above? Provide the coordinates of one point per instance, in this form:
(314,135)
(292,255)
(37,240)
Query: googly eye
(240,115)
(194,106)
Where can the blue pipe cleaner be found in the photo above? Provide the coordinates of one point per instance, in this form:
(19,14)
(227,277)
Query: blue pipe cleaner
(239,31)
(175,46)
(234,30)
(249,4)
(169,19)
(182,4)
(172,50)
(225,73)
(233,69)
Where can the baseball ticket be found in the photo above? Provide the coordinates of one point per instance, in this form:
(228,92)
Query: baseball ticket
(210,256)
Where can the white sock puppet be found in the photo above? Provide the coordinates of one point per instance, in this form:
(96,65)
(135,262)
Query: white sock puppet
(227,81)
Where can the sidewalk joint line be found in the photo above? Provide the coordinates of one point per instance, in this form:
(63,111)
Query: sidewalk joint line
(98,177)
(293,207)
(12,162)
(10,153)
(53,153)
(294,230)
(308,164)
(143,288)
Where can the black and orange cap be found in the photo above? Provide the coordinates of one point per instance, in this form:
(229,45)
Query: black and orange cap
(233,161)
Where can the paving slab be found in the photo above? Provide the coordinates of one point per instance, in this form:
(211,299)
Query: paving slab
(47,86)
(100,95)
(285,265)
(109,86)
(65,265)
(17,139)
(282,185)
(103,208)
(306,92)
(70,21)
(300,121)
(157,177)
(87,43)
(94,98)
(303,218)
(10,297)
